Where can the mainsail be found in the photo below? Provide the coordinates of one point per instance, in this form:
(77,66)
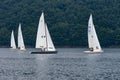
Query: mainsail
(12,45)
(21,45)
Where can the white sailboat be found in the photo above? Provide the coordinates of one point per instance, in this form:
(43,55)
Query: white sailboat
(93,41)
(12,45)
(43,39)
(21,45)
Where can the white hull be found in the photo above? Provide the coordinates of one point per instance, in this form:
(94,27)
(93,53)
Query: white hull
(22,49)
(12,48)
(94,52)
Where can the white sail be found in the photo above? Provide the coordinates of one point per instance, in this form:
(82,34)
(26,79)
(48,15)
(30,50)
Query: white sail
(50,46)
(92,37)
(41,37)
(21,45)
(12,45)
(43,40)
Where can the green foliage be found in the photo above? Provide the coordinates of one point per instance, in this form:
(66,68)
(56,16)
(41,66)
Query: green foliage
(67,20)
(4,36)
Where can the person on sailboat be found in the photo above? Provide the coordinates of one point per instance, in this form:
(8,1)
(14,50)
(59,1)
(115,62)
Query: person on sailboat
(91,49)
(42,49)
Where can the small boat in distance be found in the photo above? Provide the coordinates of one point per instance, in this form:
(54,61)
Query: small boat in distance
(12,44)
(21,45)
(43,40)
(93,41)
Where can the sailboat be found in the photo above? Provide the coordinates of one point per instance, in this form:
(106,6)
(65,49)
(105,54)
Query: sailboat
(93,41)
(12,45)
(21,45)
(43,40)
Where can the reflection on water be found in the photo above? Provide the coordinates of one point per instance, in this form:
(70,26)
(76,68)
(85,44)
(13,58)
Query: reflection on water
(68,64)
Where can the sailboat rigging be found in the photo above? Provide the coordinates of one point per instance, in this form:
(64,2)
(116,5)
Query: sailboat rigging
(93,41)
(43,40)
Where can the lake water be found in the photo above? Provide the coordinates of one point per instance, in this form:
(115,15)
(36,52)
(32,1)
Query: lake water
(68,64)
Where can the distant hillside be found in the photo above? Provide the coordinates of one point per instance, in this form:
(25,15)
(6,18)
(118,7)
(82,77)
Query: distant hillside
(67,20)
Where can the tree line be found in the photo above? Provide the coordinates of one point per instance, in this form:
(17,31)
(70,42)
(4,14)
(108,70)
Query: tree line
(67,21)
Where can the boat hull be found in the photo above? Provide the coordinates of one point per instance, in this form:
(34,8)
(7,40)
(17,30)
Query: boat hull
(94,52)
(12,48)
(44,52)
